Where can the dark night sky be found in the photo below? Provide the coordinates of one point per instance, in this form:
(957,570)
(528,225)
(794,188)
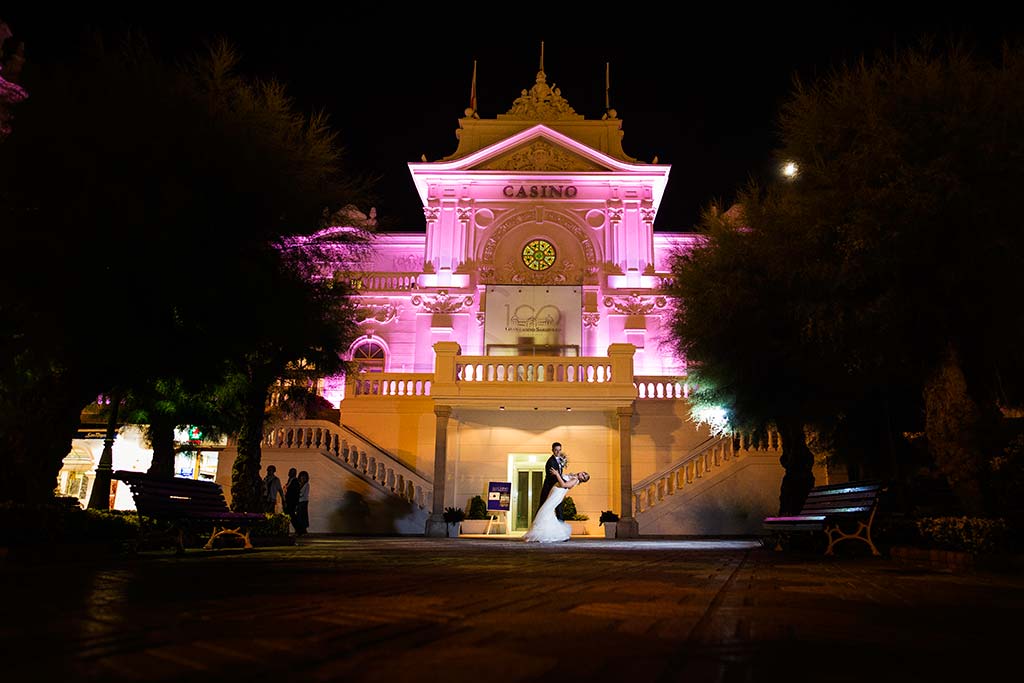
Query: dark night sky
(699,90)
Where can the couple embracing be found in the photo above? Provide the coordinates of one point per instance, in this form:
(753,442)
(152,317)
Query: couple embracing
(549,525)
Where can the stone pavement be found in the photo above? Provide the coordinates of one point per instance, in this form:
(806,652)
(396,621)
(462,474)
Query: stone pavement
(480,610)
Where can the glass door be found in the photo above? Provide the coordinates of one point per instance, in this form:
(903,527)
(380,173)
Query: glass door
(528,481)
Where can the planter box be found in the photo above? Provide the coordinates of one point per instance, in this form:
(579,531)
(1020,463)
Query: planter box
(610,529)
(578,528)
(475,526)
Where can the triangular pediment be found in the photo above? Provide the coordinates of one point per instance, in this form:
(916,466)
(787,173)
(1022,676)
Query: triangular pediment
(534,149)
(539,154)
(538,149)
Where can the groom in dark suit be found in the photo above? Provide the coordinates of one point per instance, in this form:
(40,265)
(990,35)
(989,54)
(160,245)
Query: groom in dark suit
(555,463)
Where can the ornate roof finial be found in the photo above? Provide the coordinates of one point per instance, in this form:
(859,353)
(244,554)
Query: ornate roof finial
(542,102)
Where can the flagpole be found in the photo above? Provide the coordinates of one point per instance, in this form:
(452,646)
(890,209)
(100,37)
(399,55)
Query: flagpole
(472,91)
(607,85)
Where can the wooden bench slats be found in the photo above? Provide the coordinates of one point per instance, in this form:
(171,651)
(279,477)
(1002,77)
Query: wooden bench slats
(827,506)
(183,500)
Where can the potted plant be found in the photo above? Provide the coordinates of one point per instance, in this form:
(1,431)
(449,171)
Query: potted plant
(610,520)
(574,518)
(454,516)
(477,518)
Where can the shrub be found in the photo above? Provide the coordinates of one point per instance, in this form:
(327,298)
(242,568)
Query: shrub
(477,508)
(277,524)
(60,522)
(609,517)
(970,534)
(569,511)
(454,515)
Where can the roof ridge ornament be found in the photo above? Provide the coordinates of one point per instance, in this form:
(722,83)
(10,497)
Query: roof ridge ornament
(541,102)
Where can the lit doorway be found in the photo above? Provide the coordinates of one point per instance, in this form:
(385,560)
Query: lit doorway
(527,476)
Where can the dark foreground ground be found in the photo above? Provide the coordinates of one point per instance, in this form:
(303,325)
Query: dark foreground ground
(486,610)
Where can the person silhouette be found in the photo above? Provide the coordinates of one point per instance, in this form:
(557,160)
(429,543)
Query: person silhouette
(553,469)
(301,520)
(272,490)
(291,493)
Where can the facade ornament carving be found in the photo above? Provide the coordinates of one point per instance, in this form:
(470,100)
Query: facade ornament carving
(591,319)
(442,302)
(614,215)
(572,226)
(431,213)
(481,318)
(464,213)
(540,155)
(634,304)
(647,215)
(564,273)
(382,313)
(408,264)
(541,103)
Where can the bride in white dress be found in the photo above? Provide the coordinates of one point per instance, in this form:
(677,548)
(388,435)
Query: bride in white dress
(546,527)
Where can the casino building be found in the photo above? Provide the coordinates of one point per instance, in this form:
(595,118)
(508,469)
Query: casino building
(530,311)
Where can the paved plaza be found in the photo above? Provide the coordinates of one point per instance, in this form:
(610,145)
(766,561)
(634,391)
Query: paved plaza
(466,610)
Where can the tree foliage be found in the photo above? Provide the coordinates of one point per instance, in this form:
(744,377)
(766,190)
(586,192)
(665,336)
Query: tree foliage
(153,205)
(837,297)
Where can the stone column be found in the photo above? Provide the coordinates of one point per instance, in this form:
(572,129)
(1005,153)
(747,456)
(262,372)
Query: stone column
(436,526)
(627,526)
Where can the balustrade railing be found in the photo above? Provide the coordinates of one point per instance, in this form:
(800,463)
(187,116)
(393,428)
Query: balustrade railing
(661,387)
(354,452)
(525,369)
(499,370)
(392,384)
(713,453)
(383,282)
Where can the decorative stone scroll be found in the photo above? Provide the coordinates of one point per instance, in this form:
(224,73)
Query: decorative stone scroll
(634,304)
(382,313)
(442,302)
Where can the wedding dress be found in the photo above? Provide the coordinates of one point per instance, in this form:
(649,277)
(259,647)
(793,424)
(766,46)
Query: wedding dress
(546,527)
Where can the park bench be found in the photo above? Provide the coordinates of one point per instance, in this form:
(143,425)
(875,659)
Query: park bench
(185,504)
(833,510)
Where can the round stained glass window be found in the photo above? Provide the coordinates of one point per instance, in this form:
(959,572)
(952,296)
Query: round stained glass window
(539,255)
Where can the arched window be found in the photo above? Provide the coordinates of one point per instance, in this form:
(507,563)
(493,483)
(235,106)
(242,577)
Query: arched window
(369,357)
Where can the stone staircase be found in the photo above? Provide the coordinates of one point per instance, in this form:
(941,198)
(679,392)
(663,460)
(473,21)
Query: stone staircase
(724,486)
(355,453)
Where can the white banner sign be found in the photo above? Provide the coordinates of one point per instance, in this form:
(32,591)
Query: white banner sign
(525,320)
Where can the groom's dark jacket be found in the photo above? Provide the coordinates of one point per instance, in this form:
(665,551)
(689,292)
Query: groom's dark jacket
(550,481)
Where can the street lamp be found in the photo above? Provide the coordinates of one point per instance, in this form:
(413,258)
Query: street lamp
(790,169)
(100,498)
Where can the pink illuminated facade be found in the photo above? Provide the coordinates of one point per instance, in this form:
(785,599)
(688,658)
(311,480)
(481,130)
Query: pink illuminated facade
(528,312)
(541,179)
